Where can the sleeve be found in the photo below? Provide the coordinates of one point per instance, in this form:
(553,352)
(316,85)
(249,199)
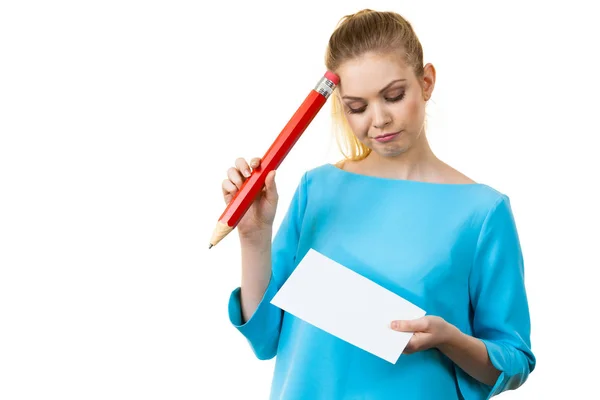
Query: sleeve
(499,302)
(264,326)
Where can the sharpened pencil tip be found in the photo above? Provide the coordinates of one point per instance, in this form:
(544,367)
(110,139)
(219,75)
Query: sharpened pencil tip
(210,246)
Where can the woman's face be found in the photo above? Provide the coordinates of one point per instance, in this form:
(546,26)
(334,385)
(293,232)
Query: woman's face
(384,101)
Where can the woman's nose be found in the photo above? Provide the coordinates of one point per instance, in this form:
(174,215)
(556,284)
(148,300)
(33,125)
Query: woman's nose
(381,119)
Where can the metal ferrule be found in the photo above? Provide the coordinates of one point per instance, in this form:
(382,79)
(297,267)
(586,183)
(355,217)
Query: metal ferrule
(325,87)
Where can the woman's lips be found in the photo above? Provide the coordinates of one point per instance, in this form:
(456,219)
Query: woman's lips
(386,137)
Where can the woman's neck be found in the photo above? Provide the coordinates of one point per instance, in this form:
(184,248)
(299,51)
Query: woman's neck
(417,163)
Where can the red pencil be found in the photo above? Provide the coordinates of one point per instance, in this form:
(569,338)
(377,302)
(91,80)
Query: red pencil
(280,148)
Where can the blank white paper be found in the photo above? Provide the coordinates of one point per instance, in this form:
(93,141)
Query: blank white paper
(347,305)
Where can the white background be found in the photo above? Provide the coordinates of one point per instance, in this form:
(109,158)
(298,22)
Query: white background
(119,119)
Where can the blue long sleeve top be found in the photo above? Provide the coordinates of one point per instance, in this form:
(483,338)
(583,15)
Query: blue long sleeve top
(451,249)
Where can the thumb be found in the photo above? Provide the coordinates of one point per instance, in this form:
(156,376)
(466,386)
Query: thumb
(271,186)
(412,325)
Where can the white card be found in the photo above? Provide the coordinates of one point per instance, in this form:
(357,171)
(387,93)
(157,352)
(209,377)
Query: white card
(347,305)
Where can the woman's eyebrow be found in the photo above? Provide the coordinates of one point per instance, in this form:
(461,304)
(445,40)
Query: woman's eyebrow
(381,91)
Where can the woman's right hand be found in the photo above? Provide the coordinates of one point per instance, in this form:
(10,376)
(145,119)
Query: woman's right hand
(259,217)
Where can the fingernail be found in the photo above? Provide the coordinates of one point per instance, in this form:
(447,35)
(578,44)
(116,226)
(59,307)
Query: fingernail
(395,325)
(246,173)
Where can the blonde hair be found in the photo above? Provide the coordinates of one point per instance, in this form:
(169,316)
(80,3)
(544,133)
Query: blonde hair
(367,31)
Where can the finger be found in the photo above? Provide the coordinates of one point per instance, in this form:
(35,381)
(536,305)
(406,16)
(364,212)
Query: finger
(243,167)
(235,176)
(271,187)
(412,346)
(229,190)
(228,187)
(255,162)
(415,325)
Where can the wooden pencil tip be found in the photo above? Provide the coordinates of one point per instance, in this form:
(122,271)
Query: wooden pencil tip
(221,230)
(210,246)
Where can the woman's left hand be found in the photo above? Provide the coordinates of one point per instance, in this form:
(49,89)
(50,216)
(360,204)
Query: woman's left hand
(429,332)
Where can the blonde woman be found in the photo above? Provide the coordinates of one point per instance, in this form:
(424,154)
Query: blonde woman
(398,215)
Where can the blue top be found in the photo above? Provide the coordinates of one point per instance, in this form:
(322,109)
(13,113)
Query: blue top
(451,249)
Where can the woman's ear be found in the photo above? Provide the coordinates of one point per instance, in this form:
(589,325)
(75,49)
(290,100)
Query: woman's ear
(428,81)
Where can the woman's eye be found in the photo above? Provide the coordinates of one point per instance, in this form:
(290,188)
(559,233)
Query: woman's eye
(362,109)
(357,111)
(397,98)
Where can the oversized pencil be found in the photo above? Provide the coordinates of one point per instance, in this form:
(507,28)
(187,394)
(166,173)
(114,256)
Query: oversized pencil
(280,148)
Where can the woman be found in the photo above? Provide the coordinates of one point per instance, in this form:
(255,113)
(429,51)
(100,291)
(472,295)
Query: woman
(398,215)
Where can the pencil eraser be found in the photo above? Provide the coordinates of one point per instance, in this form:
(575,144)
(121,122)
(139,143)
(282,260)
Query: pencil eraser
(332,77)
